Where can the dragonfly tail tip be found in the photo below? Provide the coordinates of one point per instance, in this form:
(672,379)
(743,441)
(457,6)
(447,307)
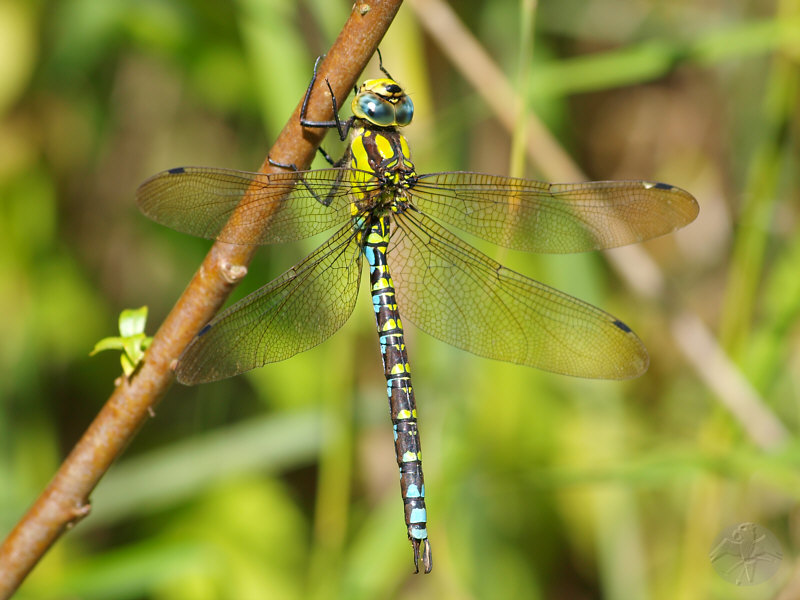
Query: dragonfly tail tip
(427,558)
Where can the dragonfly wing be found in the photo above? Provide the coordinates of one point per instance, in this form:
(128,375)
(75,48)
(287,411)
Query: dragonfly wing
(292,313)
(199,201)
(554,217)
(461,296)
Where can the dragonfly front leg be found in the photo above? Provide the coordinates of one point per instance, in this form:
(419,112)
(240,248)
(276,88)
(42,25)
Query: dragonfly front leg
(341,127)
(401,394)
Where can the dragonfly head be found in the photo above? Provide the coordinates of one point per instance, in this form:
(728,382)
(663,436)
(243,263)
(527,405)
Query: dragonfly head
(383,102)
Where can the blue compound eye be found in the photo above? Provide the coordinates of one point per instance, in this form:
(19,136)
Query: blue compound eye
(375,110)
(404,111)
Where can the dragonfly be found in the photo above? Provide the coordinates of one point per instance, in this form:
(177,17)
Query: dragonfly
(382,211)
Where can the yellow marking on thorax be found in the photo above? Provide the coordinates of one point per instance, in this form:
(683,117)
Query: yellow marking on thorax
(404,147)
(384,147)
(359,159)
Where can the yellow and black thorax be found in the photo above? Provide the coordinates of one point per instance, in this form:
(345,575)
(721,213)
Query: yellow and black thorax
(378,153)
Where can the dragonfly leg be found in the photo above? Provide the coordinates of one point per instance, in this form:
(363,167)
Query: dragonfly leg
(380,64)
(326,201)
(293,167)
(327,157)
(342,127)
(280,165)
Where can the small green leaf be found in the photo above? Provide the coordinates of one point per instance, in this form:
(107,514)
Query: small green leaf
(132,321)
(134,347)
(133,341)
(109,343)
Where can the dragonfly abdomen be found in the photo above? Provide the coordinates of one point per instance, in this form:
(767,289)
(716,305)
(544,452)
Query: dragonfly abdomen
(398,388)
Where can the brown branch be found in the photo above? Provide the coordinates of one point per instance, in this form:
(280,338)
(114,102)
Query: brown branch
(65,500)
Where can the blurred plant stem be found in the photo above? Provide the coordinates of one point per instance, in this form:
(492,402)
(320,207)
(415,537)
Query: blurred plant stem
(518,136)
(760,197)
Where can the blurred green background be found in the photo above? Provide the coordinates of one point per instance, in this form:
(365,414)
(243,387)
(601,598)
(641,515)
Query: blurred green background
(282,483)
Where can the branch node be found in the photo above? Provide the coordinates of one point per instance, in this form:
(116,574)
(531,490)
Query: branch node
(233,273)
(78,513)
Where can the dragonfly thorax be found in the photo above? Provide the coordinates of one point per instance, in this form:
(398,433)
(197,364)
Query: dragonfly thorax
(382,169)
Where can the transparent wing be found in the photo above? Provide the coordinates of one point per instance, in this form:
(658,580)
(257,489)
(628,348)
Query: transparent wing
(461,296)
(554,217)
(295,204)
(292,313)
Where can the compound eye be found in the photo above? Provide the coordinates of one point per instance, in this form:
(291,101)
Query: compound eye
(375,110)
(404,111)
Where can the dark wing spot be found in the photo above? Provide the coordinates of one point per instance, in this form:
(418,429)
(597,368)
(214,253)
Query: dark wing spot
(619,324)
(176,171)
(205,329)
(661,186)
